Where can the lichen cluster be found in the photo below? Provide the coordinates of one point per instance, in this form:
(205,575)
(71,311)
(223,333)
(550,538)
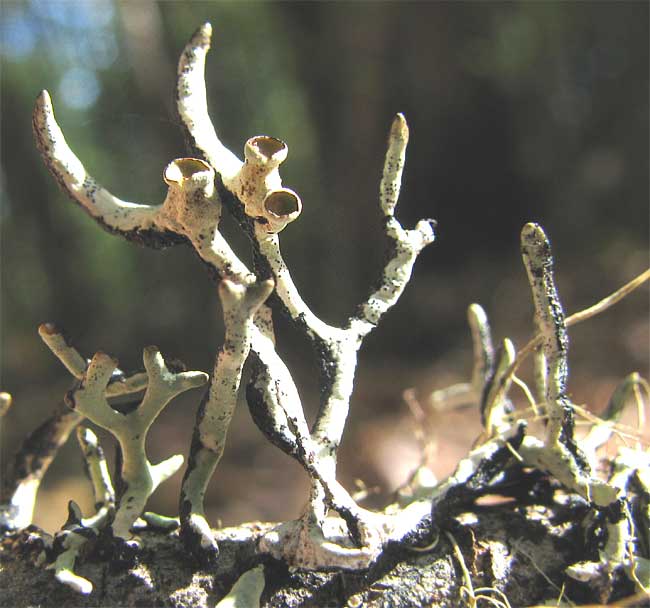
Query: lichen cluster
(333,531)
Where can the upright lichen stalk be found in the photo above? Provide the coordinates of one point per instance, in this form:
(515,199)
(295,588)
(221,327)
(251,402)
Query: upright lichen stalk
(240,304)
(500,461)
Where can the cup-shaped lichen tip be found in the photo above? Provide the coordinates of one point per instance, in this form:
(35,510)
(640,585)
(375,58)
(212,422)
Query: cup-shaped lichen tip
(181,170)
(283,203)
(265,150)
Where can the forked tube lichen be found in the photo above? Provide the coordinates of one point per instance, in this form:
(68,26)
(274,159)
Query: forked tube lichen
(333,531)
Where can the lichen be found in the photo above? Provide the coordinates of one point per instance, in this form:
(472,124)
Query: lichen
(334,531)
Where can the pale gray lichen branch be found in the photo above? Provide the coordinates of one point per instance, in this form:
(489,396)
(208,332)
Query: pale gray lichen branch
(31,462)
(120,384)
(240,304)
(257,182)
(140,477)
(549,317)
(5,403)
(339,356)
(619,510)
(253,191)
(78,531)
(559,454)
(310,541)
(20,486)
(72,176)
(482,348)
(603,429)
(97,470)
(265,207)
(190,212)
(406,244)
(69,543)
(495,406)
(192,104)
(37,452)
(470,393)
(303,543)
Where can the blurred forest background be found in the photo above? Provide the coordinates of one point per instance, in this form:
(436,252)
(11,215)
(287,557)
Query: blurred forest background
(518,111)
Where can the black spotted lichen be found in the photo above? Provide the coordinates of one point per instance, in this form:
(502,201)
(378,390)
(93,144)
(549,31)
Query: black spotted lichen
(333,531)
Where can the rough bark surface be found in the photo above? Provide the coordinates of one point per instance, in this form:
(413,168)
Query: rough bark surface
(521,550)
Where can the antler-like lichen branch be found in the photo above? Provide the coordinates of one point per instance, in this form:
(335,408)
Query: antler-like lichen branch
(405,244)
(78,531)
(191,214)
(265,207)
(140,477)
(120,384)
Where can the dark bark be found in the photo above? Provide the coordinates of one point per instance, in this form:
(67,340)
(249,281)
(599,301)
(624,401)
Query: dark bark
(520,549)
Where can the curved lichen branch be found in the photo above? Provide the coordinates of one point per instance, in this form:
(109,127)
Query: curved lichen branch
(256,182)
(190,212)
(68,543)
(269,394)
(30,465)
(96,469)
(558,454)
(240,304)
(482,348)
(470,393)
(72,176)
(193,106)
(277,410)
(495,405)
(604,427)
(78,531)
(140,477)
